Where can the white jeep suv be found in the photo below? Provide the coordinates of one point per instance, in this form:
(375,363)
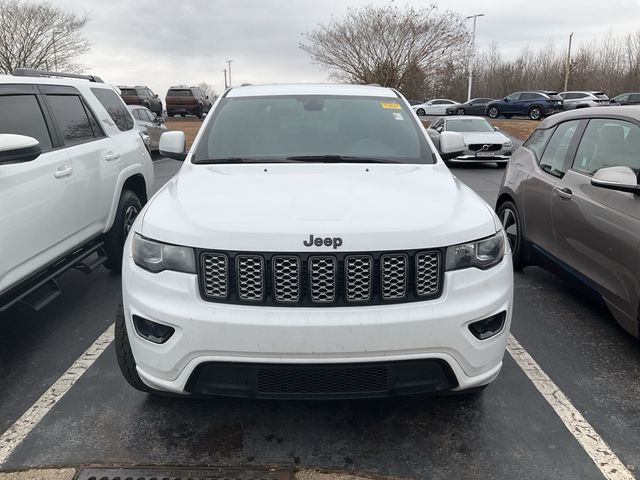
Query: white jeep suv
(313,245)
(74,174)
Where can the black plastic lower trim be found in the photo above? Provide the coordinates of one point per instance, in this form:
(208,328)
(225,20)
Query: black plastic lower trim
(321,381)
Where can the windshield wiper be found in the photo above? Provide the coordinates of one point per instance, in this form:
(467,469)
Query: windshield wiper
(225,160)
(337,159)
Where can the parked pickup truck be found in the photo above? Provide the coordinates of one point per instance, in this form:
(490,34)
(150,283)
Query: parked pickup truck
(187,101)
(74,174)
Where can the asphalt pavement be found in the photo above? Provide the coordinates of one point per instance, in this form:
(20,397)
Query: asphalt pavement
(510,431)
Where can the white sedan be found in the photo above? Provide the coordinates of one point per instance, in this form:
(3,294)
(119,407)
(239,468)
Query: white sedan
(484,143)
(437,106)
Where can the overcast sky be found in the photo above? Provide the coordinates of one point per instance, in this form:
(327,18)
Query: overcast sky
(163,42)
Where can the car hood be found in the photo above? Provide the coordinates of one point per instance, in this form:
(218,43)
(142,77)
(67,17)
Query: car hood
(275,207)
(488,137)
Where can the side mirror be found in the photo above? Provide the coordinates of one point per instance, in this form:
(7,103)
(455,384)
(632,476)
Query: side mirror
(160,120)
(496,128)
(18,148)
(173,145)
(505,99)
(155,95)
(451,145)
(622,179)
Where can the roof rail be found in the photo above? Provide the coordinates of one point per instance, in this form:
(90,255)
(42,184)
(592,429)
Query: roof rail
(33,72)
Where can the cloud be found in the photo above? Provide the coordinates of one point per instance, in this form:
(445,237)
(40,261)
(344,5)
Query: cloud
(161,42)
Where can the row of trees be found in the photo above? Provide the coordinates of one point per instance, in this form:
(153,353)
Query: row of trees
(425,53)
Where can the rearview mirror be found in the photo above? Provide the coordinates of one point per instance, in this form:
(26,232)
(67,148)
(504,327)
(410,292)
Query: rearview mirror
(18,148)
(451,145)
(622,179)
(173,145)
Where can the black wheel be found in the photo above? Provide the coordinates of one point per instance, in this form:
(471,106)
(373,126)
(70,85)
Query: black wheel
(170,113)
(421,112)
(510,219)
(535,113)
(502,164)
(129,207)
(493,112)
(183,115)
(460,111)
(199,112)
(126,362)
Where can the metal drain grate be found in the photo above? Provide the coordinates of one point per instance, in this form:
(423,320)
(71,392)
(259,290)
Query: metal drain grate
(184,473)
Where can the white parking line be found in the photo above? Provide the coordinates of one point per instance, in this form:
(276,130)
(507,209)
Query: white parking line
(604,458)
(14,436)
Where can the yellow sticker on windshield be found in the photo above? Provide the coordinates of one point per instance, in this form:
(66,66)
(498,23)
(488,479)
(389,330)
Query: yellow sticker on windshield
(391,105)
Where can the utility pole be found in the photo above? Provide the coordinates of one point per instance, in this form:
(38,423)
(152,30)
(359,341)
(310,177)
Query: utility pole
(229,62)
(225,79)
(567,70)
(473,52)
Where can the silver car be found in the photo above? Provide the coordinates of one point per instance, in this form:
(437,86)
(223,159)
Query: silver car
(483,141)
(570,200)
(583,99)
(149,125)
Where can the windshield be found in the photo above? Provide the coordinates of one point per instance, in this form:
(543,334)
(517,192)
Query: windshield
(313,128)
(469,125)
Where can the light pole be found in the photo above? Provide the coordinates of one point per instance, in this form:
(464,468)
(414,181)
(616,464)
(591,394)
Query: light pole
(229,62)
(473,52)
(568,65)
(225,79)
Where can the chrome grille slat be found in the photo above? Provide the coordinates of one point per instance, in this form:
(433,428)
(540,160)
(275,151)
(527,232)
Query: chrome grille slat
(216,277)
(322,279)
(286,278)
(427,273)
(358,278)
(250,273)
(394,276)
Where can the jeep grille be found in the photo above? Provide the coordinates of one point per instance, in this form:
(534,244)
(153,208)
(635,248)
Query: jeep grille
(336,279)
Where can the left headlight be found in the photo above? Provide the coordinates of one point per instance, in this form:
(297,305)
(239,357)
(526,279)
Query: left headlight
(156,257)
(481,254)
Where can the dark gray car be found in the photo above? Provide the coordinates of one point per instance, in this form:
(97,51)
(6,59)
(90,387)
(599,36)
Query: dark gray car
(570,199)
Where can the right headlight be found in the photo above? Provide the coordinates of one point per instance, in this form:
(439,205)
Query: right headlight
(156,257)
(481,254)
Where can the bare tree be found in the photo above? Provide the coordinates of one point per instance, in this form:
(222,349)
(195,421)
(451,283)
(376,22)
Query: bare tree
(39,35)
(208,90)
(387,45)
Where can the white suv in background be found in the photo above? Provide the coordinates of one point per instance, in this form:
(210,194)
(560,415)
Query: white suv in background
(74,174)
(314,245)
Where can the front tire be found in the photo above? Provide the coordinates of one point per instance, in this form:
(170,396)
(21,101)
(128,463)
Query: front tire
(510,219)
(493,112)
(535,113)
(199,112)
(124,355)
(502,165)
(421,112)
(460,111)
(129,207)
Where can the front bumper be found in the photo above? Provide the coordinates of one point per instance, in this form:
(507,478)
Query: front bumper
(504,154)
(334,337)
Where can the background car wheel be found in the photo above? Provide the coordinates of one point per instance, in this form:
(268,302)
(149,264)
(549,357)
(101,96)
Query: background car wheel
(510,219)
(502,164)
(183,115)
(493,112)
(460,111)
(535,113)
(129,207)
(126,362)
(199,112)
(421,112)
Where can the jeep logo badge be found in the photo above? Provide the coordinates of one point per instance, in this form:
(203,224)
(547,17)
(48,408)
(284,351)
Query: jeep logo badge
(319,242)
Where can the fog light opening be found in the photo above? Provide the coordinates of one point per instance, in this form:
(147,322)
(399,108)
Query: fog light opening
(489,327)
(152,331)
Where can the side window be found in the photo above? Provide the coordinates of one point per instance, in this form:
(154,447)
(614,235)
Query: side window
(437,124)
(148,116)
(514,96)
(115,107)
(608,143)
(136,114)
(554,156)
(538,140)
(634,97)
(622,98)
(71,118)
(25,119)
(527,96)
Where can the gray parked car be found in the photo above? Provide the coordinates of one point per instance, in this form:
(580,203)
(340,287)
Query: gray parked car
(584,99)
(149,125)
(570,199)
